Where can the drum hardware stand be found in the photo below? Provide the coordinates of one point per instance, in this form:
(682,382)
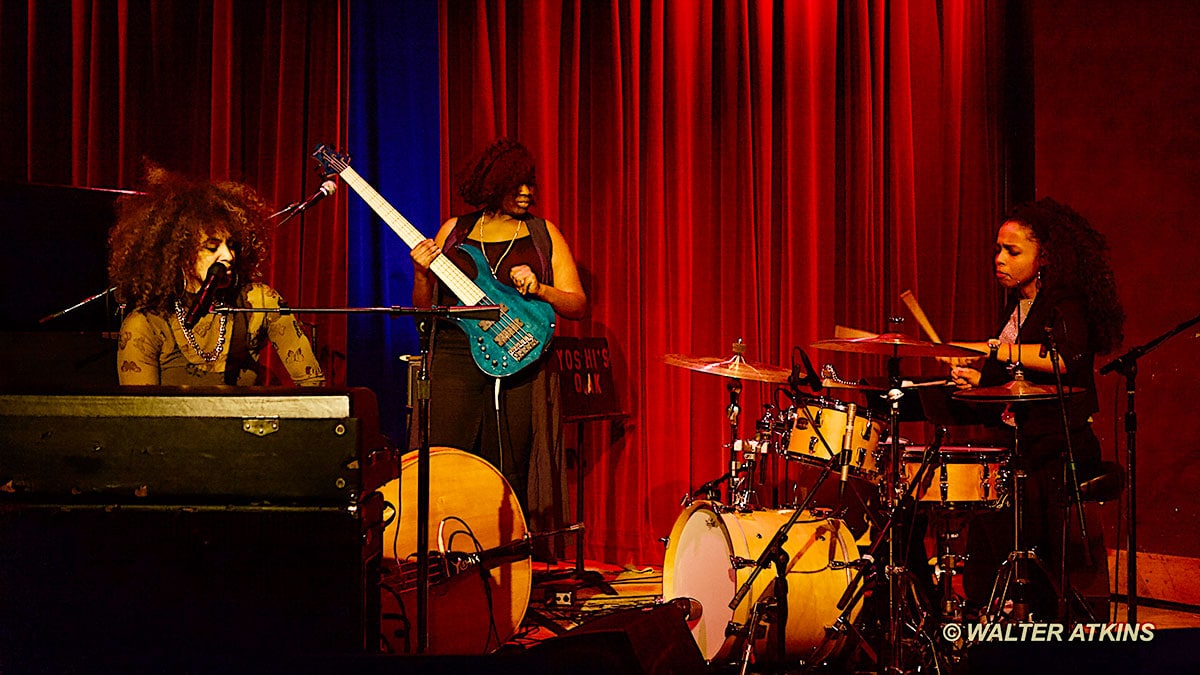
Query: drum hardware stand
(1126,364)
(424,316)
(899,581)
(948,566)
(859,583)
(733,413)
(1013,572)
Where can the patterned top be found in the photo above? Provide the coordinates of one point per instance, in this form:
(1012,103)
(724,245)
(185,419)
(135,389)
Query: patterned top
(153,349)
(1017,319)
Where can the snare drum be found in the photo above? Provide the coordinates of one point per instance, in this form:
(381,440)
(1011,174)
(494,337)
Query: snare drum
(960,477)
(698,565)
(828,419)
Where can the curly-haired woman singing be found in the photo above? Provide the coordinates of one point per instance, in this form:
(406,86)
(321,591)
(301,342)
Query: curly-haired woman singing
(1055,266)
(470,410)
(164,245)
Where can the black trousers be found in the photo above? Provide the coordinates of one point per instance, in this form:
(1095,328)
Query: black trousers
(463,410)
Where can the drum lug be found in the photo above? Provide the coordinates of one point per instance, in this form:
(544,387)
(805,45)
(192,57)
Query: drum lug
(944,482)
(984,485)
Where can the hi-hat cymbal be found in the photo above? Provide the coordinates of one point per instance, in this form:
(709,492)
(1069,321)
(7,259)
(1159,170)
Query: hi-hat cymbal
(893,344)
(735,367)
(1016,391)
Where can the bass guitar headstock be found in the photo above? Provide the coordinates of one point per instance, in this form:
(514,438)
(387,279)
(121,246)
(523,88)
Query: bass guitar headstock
(331,161)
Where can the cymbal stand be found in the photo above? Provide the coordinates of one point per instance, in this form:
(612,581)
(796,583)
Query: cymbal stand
(733,413)
(1013,571)
(898,494)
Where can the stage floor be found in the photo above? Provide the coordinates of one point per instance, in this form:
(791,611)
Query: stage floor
(561,602)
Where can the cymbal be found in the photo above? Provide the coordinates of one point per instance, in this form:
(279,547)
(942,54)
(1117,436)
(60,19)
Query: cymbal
(1015,391)
(735,367)
(893,344)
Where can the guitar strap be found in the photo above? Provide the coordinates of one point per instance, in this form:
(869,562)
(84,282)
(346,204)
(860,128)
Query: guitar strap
(537,230)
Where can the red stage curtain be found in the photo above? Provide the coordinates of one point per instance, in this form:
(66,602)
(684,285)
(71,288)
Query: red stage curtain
(727,170)
(223,89)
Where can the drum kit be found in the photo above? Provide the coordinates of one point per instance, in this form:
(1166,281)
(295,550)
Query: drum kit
(830,548)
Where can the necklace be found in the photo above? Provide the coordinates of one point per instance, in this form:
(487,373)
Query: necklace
(209,357)
(483,241)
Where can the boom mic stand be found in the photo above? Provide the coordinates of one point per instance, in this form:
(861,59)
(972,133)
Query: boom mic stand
(1126,364)
(1070,478)
(477,312)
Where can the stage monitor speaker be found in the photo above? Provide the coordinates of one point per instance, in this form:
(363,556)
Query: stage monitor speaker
(651,641)
(151,586)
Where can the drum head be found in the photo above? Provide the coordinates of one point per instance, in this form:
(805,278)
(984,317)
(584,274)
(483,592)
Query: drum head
(698,566)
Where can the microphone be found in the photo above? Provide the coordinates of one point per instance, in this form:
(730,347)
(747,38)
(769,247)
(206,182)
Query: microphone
(794,380)
(847,441)
(813,379)
(327,188)
(691,607)
(217,278)
(1048,329)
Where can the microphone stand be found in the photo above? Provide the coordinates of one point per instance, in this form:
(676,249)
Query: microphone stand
(1070,478)
(475,312)
(1126,364)
(81,303)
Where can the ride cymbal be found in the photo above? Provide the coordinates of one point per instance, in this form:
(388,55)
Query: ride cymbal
(893,344)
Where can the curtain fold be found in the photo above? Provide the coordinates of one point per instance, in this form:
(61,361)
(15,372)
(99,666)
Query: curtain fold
(736,170)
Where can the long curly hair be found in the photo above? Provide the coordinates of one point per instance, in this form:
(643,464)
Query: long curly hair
(1074,258)
(158,234)
(496,173)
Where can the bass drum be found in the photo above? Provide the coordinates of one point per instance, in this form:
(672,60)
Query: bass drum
(698,566)
(471,509)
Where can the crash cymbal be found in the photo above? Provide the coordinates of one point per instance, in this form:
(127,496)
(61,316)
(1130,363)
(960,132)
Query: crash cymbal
(735,367)
(1016,391)
(893,344)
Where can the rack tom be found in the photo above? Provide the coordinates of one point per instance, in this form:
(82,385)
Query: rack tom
(817,432)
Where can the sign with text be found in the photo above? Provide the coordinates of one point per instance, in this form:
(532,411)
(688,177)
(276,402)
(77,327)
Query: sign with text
(586,379)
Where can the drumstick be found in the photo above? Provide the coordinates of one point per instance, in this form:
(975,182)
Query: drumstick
(845,332)
(910,300)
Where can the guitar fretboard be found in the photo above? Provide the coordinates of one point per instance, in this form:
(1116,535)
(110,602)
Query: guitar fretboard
(459,283)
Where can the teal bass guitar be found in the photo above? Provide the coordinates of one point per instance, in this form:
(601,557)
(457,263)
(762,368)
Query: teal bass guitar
(502,347)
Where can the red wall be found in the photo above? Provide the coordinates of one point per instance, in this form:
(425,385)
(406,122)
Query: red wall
(1117,110)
